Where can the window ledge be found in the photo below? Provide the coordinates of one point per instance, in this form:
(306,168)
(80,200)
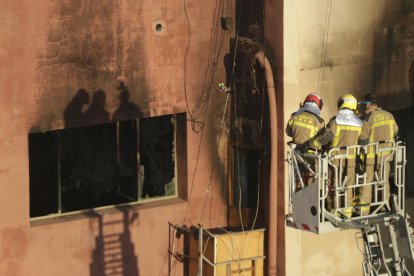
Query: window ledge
(102,211)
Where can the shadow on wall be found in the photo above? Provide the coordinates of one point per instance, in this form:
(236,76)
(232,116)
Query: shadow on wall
(96,162)
(96,113)
(114,252)
(393,72)
(94,165)
(405,122)
(126,109)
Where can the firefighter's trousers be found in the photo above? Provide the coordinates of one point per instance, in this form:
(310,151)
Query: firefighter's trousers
(371,170)
(344,177)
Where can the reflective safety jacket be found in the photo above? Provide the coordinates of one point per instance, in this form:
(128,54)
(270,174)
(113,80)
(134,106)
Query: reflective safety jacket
(303,125)
(343,130)
(380,126)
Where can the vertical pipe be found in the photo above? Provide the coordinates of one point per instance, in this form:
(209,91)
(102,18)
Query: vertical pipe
(200,251)
(272,241)
(118,159)
(169,249)
(59,173)
(138,158)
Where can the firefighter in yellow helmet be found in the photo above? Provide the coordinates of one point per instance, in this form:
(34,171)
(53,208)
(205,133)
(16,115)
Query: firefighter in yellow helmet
(343,130)
(380,127)
(306,122)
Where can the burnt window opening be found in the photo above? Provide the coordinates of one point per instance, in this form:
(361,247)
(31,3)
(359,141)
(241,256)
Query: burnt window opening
(108,164)
(250,19)
(246,166)
(248,158)
(246,185)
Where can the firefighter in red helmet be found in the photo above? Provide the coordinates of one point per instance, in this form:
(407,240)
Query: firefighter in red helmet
(302,126)
(305,123)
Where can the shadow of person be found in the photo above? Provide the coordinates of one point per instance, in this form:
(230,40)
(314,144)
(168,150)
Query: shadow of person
(126,109)
(73,114)
(97,113)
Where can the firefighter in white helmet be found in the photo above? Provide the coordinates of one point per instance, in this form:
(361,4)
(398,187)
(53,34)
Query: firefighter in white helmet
(343,130)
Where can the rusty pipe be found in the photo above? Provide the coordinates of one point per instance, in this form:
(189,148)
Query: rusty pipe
(272,231)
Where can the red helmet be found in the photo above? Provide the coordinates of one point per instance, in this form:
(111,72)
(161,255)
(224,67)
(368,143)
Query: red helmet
(313,97)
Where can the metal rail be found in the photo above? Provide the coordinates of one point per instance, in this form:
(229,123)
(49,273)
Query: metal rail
(320,203)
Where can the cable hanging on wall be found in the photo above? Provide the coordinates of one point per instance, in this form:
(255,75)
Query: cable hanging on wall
(197,113)
(324,48)
(197,116)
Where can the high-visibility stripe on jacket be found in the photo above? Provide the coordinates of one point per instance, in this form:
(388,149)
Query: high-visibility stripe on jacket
(303,126)
(347,139)
(338,135)
(381,126)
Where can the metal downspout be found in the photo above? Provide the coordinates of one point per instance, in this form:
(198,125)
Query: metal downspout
(272,234)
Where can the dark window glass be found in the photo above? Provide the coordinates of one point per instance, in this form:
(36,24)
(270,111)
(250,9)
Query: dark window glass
(87,167)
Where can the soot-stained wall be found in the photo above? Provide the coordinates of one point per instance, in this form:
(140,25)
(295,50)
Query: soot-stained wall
(63,59)
(92,46)
(334,47)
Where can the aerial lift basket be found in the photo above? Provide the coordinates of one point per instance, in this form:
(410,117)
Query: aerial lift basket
(319,187)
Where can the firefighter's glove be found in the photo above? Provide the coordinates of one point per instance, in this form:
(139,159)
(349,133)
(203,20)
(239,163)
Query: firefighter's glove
(303,147)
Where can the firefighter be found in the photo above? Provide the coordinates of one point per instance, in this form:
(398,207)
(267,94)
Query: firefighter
(343,130)
(380,127)
(303,125)
(306,122)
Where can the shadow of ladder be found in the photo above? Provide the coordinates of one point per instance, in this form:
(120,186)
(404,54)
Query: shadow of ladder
(114,253)
(112,248)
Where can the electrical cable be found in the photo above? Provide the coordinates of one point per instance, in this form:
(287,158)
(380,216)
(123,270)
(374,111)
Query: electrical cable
(210,179)
(258,195)
(194,122)
(163,263)
(222,125)
(230,82)
(172,249)
(209,190)
(261,133)
(201,104)
(196,125)
(234,249)
(324,48)
(201,110)
(196,118)
(218,146)
(217,55)
(194,174)
(235,115)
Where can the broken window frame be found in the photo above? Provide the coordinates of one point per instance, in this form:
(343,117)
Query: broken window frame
(179,132)
(175,118)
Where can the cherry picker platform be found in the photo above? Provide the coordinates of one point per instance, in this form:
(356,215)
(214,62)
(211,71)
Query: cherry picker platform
(318,201)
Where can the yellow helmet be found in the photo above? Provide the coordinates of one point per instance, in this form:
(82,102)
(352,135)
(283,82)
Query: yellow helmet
(347,101)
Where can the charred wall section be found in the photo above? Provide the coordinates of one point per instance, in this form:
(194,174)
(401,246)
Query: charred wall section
(333,48)
(64,64)
(393,72)
(91,46)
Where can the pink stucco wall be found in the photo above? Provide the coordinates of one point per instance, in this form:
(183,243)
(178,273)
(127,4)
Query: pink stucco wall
(51,48)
